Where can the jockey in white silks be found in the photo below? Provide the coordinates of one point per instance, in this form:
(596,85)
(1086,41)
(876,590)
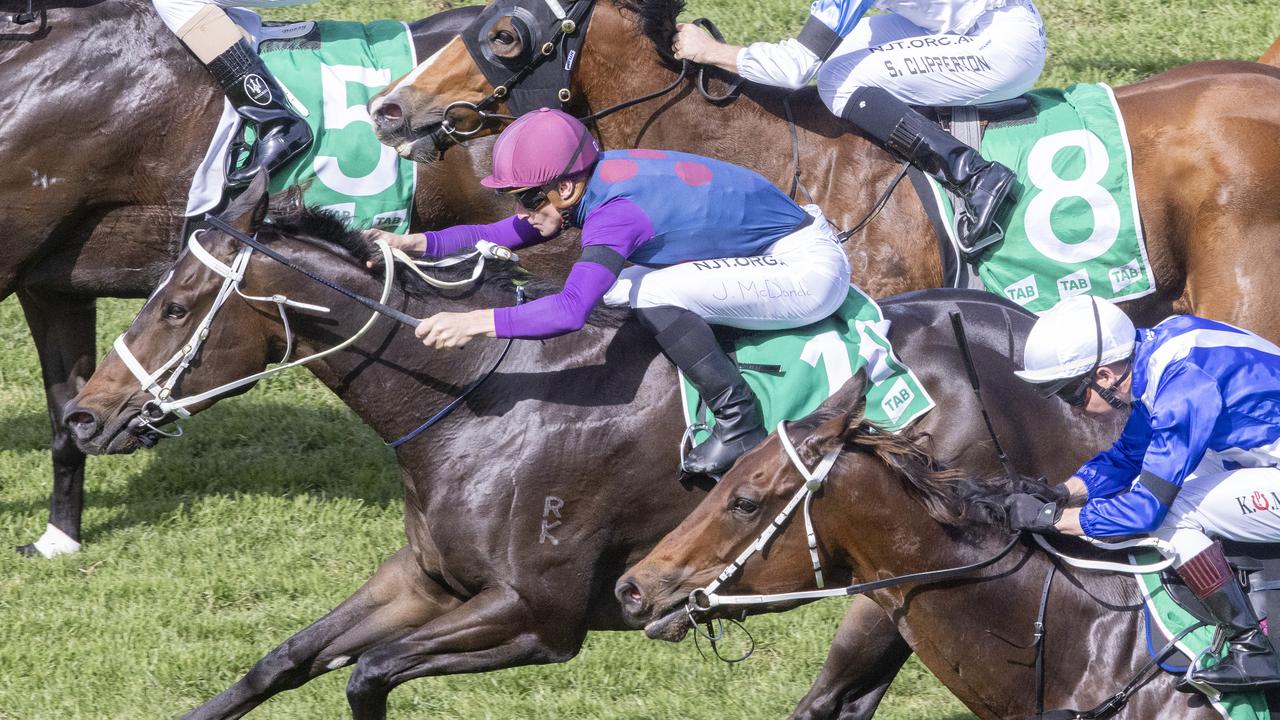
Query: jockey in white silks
(1198,459)
(217,42)
(921,52)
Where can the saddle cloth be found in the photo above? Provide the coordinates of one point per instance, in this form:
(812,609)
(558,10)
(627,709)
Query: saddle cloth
(329,70)
(1072,225)
(793,371)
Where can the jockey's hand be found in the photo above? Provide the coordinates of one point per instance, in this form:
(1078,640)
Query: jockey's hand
(1030,513)
(694,44)
(449,330)
(413,244)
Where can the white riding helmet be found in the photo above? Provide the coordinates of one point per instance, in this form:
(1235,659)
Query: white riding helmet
(1074,337)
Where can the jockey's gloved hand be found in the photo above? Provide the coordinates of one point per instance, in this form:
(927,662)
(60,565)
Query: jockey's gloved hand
(1028,512)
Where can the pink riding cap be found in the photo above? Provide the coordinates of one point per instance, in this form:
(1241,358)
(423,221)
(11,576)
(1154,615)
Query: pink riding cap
(539,147)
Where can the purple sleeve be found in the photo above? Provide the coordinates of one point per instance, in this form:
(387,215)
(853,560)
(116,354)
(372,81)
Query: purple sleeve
(513,232)
(557,314)
(619,226)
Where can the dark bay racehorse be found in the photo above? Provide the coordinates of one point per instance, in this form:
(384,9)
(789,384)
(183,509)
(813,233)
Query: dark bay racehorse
(106,116)
(883,514)
(1205,138)
(572,426)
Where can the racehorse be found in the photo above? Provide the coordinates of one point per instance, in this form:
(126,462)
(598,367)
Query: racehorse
(1203,176)
(106,116)
(571,426)
(887,510)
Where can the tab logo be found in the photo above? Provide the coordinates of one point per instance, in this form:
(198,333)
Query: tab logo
(897,400)
(1023,291)
(1125,275)
(1077,283)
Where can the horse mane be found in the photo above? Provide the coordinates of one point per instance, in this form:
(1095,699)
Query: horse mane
(291,218)
(657,21)
(952,496)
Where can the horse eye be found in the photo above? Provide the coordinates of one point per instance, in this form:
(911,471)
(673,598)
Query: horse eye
(743,506)
(174,311)
(502,37)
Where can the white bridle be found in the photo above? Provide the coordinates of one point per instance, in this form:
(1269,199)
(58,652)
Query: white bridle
(160,382)
(706,598)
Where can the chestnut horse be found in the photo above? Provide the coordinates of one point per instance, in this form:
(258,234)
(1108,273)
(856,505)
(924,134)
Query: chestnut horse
(1204,176)
(884,512)
(106,116)
(576,424)
(1272,54)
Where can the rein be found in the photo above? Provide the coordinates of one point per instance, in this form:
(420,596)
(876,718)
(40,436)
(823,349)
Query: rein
(162,403)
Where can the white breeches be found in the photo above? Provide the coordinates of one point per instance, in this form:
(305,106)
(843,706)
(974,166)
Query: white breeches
(177,13)
(1241,505)
(1000,58)
(800,279)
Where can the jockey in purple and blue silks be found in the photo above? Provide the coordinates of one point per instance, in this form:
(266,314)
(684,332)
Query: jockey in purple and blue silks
(709,242)
(1199,458)
(869,70)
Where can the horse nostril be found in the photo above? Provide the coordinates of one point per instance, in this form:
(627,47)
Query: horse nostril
(388,115)
(83,423)
(630,596)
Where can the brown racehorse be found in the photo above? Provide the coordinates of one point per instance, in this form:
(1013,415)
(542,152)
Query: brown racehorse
(1204,177)
(883,513)
(576,423)
(105,118)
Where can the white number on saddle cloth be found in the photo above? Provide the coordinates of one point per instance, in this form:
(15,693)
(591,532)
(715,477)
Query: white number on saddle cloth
(337,115)
(834,354)
(1053,189)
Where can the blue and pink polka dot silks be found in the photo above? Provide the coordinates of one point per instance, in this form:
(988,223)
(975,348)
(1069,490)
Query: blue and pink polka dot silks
(700,208)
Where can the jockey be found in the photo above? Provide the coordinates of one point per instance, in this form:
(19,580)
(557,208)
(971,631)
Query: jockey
(1199,457)
(711,242)
(217,42)
(869,69)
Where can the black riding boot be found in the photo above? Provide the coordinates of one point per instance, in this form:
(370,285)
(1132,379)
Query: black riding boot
(258,98)
(689,342)
(1251,662)
(983,185)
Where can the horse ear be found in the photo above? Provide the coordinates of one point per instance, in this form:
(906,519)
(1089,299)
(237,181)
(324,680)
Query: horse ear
(247,212)
(844,411)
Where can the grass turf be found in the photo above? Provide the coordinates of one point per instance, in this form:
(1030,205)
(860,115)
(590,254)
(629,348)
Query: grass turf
(207,552)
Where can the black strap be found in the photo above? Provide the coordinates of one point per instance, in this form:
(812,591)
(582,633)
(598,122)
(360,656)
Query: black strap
(1039,636)
(818,38)
(962,340)
(381,309)
(1162,489)
(605,257)
(932,576)
(734,86)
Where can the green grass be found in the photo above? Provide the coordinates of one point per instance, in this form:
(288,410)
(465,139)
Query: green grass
(205,553)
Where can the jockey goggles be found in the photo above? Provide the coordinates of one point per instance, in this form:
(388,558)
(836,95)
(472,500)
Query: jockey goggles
(531,198)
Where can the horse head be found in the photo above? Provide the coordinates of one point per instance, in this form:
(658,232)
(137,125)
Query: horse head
(519,55)
(216,319)
(740,509)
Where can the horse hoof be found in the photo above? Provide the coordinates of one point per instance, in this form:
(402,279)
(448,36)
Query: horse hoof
(28,550)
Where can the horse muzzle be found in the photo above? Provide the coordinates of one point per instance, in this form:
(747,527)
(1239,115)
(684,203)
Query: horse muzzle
(124,434)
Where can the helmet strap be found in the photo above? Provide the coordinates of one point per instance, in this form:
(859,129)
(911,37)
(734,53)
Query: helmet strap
(1108,393)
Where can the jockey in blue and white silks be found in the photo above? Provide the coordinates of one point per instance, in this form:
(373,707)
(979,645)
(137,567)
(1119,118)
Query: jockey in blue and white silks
(1198,459)
(869,69)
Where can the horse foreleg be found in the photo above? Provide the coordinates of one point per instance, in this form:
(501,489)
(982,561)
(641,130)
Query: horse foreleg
(863,660)
(498,628)
(398,598)
(63,329)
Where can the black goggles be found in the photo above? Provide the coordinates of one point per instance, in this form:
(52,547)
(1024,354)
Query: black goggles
(1072,391)
(530,199)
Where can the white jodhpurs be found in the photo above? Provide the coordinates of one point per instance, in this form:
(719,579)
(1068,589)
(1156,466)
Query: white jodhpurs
(1242,505)
(176,14)
(1000,58)
(800,279)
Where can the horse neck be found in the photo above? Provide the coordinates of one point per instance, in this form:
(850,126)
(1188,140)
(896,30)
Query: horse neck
(884,531)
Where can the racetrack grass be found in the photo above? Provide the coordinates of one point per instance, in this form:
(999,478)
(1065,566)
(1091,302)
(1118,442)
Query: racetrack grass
(205,553)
